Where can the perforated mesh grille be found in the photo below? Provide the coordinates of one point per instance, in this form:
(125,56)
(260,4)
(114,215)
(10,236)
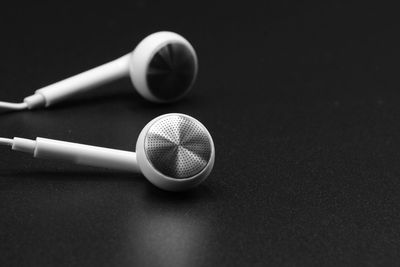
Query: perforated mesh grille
(178,146)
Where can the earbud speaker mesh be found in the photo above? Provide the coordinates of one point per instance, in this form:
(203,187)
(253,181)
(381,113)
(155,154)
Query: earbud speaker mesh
(178,146)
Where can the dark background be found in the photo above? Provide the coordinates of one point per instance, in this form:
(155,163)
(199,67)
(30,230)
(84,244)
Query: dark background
(301,98)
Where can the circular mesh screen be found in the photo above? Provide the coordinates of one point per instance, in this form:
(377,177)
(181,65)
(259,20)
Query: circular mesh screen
(178,146)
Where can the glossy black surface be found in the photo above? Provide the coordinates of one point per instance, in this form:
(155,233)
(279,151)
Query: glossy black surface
(301,98)
(171,71)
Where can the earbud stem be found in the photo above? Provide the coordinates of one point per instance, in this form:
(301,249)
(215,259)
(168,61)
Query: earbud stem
(98,76)
(78,153)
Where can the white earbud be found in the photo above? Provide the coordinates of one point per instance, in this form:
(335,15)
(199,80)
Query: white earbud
(163,68)
(174,152)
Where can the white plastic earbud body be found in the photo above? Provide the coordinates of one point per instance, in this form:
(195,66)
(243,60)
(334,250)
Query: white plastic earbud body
(163,68)
(175,152)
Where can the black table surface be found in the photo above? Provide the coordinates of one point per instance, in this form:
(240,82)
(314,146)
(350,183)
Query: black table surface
(302,100)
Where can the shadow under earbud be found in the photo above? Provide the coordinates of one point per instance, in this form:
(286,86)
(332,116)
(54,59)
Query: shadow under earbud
(196,194)
(184,105)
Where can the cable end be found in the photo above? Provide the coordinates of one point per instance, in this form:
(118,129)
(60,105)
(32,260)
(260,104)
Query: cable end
(30,102)
(35,101)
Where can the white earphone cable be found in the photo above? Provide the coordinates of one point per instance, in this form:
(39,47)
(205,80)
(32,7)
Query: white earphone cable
(6,141)
(76,153)
(13,106)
